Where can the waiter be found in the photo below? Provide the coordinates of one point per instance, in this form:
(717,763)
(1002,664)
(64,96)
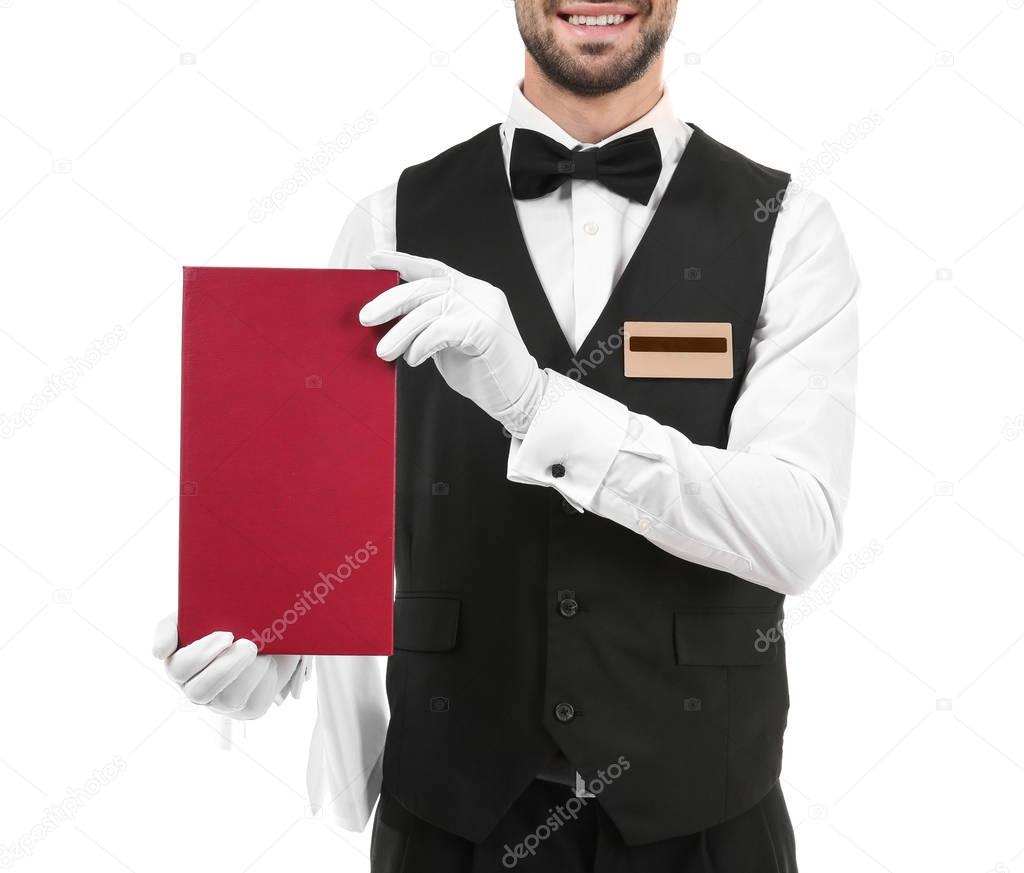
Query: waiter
(625,420)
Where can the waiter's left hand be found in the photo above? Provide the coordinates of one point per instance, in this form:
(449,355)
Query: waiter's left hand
(466,326)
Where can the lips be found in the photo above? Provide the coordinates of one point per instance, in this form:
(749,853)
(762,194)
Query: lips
(595,19)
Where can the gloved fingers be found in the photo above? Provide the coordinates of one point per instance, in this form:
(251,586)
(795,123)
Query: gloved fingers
(189,660)
(286,666)
(165,639)
(409,267)
(221,672)
(440,334)
(236,694)
(220,709)
(399,300)
(394,343)
(300,677)
(284,682)
(262,695)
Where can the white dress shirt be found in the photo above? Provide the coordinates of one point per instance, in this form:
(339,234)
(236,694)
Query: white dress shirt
(768,508)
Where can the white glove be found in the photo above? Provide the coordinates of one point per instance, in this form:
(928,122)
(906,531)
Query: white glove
(226,674)
(466,326)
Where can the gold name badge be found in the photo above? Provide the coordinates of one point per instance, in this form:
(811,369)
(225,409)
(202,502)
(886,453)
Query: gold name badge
(678,349)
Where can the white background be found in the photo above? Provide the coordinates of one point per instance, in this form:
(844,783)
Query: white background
(134,136)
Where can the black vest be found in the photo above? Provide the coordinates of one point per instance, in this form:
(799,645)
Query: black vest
(674,675)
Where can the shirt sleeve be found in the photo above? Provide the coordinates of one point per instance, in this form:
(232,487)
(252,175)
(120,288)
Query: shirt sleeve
(370,226)
(347,748)
(769,507)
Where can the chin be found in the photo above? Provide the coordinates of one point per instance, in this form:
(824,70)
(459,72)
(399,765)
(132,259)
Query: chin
(594,48)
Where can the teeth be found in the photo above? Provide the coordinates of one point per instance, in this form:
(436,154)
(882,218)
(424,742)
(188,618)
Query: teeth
(596,20)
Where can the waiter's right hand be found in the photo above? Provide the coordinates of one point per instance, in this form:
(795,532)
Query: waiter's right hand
(226,674)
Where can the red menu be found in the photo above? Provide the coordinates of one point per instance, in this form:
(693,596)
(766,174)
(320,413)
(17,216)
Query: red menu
(287,461)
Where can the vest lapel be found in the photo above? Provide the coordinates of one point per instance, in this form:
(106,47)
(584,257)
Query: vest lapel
(676,223)
(678,227)
(495,213)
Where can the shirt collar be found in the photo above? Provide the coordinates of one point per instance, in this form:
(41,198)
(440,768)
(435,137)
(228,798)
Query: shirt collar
(668,129)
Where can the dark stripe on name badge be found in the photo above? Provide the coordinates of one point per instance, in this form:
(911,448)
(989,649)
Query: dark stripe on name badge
(710,344)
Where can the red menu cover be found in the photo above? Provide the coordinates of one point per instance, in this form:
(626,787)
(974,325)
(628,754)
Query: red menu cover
(287,461)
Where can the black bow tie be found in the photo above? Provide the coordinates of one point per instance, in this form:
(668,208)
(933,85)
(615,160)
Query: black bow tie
(629,166)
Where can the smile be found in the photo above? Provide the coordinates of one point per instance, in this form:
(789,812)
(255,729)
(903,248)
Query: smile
(596,20)
(589,20)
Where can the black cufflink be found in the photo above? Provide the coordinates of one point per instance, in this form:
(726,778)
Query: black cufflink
(557,470)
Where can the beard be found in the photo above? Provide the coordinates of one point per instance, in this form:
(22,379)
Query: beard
(576,74)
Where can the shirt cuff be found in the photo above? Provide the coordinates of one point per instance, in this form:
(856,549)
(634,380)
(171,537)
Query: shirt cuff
(571,442)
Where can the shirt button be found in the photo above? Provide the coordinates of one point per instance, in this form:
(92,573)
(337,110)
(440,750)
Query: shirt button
(568,607)
(592,227)
(558,470)
(564,712)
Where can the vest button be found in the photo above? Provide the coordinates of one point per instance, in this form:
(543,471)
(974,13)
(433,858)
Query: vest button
(558,470)
(568,607)
(564,712)
(568,508)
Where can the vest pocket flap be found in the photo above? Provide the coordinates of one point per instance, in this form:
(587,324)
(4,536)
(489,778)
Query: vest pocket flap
(727,638)
(426,622)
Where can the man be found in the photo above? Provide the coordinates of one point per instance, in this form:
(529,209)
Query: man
(633,442)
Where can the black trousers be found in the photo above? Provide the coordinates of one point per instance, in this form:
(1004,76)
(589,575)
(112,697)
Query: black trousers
(534,837)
